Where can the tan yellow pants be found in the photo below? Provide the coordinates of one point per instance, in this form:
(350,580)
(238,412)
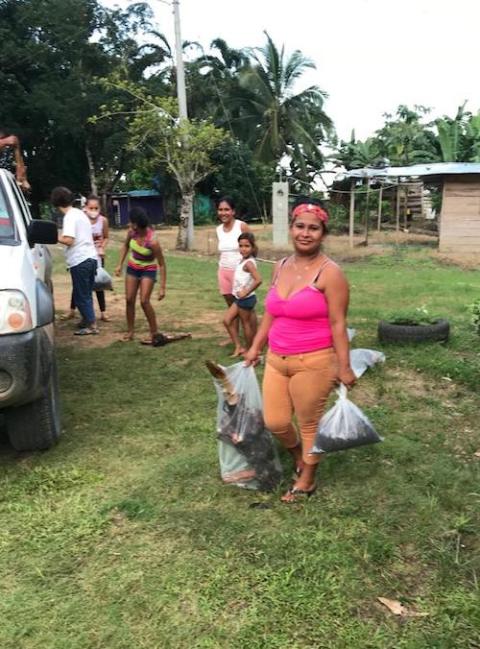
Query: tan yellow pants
(300,385)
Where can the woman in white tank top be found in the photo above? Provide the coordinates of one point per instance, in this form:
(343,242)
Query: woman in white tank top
(228,232)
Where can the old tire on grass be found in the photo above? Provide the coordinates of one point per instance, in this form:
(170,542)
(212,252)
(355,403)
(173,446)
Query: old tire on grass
(36,425)
(399,333)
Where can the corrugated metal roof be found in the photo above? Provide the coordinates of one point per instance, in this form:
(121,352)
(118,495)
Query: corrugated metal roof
(141,193)
(430,169)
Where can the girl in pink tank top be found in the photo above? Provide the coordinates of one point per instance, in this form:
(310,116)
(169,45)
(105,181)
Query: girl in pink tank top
(305,326)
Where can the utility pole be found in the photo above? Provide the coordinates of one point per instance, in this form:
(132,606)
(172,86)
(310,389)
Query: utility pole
(181,90)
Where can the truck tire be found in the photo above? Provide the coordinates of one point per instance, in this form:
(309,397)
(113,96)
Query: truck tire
(36,425)
(396,333)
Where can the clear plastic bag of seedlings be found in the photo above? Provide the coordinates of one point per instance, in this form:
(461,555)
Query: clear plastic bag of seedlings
(247,452)
(343,426)
(362,359)
(103,281)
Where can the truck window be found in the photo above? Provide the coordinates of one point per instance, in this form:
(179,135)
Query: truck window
(8,232)
(22,204)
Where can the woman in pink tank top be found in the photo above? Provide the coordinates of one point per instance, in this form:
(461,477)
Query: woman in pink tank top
(305,326)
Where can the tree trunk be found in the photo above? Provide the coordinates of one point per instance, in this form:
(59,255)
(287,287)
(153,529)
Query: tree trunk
(91,170)
(185,227)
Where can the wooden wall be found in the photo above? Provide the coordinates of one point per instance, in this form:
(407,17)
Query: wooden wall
(460,216)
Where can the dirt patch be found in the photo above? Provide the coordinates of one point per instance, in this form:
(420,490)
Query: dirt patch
(209,322)
(109,331)
(418,386)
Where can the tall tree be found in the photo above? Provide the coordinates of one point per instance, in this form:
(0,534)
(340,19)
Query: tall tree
(179,147)
(405,139)
(52,53)
(275,120)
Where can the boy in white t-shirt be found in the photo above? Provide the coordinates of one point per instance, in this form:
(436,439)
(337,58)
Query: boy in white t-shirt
(80,255)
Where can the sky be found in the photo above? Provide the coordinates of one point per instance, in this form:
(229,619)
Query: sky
(370,55)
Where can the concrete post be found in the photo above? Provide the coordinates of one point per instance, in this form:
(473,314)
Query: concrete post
(280,214)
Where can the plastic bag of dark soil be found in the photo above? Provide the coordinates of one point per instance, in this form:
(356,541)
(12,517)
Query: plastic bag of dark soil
(246,450)
(343,426)
(103,281)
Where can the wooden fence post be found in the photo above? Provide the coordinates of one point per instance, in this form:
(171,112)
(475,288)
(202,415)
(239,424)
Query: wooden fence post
(397,209)
(379,216)
(352,212)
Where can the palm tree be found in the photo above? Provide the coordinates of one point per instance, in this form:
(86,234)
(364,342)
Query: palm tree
(213,81)
(274,119)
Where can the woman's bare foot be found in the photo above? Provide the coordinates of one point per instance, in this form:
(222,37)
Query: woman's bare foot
(239,351)
(68,316)
(105,317)
(126,338)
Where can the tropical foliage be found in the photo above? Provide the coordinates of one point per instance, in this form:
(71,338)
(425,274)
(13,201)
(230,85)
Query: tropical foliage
(56,55)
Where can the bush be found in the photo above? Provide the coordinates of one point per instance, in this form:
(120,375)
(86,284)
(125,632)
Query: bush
(475,312)
(338,221)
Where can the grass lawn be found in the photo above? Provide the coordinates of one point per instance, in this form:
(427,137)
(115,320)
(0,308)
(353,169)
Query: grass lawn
(123,537)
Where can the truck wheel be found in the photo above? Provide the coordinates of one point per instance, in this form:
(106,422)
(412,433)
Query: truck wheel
(36,425)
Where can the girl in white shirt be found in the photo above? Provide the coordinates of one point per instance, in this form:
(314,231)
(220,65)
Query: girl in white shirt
(246,279)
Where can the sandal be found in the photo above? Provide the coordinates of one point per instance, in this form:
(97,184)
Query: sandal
(159,340)
(295,495)
(86,331)
(126,338)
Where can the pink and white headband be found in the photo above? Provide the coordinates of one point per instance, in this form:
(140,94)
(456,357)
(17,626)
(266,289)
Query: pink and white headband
(316,210)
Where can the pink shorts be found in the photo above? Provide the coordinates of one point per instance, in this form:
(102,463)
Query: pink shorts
(225,280)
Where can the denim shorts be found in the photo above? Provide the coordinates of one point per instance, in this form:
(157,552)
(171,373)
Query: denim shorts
(248,302)
(139,274)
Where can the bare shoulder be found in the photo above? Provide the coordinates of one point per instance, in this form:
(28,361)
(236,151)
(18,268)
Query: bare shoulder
(332,275)
(244,227)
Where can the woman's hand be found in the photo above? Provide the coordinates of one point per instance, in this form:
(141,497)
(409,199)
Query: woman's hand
(161,293)
(347,377)
(118,271)
(252,357)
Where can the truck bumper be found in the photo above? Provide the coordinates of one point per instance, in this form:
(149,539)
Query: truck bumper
(25,364)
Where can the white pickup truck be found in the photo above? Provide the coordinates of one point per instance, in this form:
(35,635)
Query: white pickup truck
(28,373)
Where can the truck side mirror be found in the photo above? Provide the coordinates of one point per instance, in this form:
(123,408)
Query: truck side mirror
(42,232)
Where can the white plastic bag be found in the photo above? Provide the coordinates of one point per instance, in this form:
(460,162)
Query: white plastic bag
(246,452)
(343,426)
(103,281)
(362,359)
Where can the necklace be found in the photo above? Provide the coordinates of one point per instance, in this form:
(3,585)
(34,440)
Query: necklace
(300,272)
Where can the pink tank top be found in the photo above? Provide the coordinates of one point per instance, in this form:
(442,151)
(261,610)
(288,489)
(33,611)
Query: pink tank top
(301,323)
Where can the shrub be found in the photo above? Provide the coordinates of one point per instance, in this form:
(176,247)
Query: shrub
(475,313)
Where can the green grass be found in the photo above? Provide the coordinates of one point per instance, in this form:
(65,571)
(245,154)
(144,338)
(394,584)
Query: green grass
(123,536)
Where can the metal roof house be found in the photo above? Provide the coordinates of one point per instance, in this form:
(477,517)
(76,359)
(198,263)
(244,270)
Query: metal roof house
(459,221)
(119,205)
